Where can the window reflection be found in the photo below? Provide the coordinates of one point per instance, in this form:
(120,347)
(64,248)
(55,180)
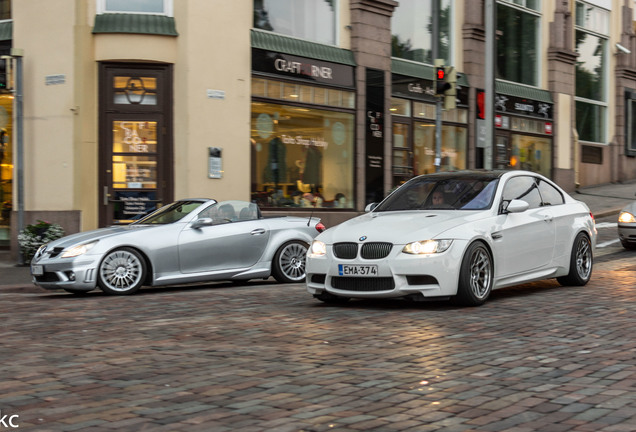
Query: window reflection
(411,28)
(308,19)
(517,43)
(135,90)
(301,156)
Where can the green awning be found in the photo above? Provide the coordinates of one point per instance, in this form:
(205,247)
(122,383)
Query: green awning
(302,48)
(6,30)
(524,92)
(421,70)
(135,23)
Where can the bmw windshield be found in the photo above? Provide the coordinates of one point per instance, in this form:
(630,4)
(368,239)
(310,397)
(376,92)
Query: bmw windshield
(468,192)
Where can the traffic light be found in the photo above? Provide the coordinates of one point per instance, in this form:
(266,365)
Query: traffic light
(450,95)
(440,81)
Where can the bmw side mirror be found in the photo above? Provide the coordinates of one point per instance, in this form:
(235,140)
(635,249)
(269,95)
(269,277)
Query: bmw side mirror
(370,207)
(202,222)
(517,206)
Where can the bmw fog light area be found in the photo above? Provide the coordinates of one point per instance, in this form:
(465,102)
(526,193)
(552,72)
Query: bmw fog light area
(426,247)
(317,249)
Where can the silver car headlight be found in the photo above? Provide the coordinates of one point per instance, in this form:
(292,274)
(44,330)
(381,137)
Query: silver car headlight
(78,250)
(427,247)
(626,217)
(317,249)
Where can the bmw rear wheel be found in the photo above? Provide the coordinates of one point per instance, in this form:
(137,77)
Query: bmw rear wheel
(580,262)
(122,272)
(289,262)
(476,276)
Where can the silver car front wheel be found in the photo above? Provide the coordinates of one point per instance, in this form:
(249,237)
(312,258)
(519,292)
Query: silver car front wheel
(122,272)
(289,262)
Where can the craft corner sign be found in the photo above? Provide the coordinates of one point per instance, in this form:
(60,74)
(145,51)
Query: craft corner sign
(302,68)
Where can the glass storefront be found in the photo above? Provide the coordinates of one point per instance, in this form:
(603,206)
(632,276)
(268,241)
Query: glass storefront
(301,156)
(531,153)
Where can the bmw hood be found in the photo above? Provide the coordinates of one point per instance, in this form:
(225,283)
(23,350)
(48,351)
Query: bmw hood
(398,227)
(98,234)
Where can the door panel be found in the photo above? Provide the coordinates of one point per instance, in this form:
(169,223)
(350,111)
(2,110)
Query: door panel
(227,246)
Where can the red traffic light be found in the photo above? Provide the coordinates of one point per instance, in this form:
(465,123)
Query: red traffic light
(440,73)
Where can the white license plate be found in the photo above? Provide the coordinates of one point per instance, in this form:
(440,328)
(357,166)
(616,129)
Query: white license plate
(357,270)
(37,270)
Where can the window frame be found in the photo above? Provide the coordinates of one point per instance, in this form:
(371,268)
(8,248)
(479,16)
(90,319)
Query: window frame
(168,9)
(603,104)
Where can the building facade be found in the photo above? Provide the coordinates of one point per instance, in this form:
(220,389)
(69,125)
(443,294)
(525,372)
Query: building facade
(302,106)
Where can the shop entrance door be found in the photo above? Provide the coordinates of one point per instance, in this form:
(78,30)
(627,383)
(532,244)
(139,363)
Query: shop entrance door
(132,187)
(135,142)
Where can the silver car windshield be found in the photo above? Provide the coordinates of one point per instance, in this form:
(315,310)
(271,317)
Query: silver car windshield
(170,213)
(430,193)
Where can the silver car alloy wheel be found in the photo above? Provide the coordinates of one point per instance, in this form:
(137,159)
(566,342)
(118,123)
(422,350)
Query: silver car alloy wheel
(480,273)
(121,270)
(583,258)
(292,261)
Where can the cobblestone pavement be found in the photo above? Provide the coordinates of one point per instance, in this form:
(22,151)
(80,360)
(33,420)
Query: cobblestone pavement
(267,357)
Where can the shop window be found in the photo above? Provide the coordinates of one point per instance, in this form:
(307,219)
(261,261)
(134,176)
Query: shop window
(411,30)
(517,43)
(314,20)
(135,90)
(453,151)
(292,92)
(301,157)
(531,154)
(156,7)
(630,124)
(400,107)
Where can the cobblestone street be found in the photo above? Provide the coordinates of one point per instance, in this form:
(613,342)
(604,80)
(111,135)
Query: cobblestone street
(267,357)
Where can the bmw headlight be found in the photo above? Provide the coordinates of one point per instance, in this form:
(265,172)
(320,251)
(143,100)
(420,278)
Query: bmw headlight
(78,250)
(626,217)
(317,249)
(427,247)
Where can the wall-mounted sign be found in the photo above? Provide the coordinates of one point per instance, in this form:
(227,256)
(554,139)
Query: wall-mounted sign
(55,79)
(421,89)
(216,94)
(515,105)
(215,166)
(130,205)
(302,68)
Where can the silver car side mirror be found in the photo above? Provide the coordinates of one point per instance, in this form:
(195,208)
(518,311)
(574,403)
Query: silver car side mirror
(202,222)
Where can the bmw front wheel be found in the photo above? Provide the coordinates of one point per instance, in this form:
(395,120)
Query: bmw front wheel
(122,272)
(476,276)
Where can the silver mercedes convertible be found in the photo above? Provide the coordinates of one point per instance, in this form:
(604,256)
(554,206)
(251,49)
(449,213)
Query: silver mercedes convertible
(191,240)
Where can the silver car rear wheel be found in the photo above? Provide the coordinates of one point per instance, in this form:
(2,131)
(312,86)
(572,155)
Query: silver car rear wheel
(581,262)
(122,272)
(289,262)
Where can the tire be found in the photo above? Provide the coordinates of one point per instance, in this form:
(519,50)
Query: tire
(289,262)
(475,276)
(330,298)
(121,272)
(581,262)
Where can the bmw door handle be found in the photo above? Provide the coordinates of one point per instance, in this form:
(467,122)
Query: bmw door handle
(258,231)
(548,218)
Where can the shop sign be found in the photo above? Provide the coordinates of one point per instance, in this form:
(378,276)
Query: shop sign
(548,128)
(302,68)
(525,107)
(374,136)
(133,205)
(420,89)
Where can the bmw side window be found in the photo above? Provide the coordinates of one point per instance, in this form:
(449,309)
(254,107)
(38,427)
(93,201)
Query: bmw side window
(522,188)
(549,194)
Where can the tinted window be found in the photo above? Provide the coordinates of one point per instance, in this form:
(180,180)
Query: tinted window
(522,188)
(550,194)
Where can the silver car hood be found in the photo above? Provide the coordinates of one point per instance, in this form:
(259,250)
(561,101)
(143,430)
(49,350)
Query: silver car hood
(399,227)
(98,234)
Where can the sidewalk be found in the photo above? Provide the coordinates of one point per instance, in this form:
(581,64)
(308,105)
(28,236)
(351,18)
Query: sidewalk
(604,200)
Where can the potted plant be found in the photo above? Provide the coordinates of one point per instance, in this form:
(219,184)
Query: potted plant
(35,235)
